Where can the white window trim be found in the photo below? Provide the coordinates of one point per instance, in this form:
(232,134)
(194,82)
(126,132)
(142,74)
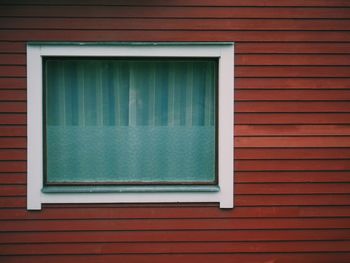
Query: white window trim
(223,51)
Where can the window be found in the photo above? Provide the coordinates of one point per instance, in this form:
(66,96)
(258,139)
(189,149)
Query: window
(130,122)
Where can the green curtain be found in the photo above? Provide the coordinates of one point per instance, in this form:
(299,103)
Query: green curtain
(130,120)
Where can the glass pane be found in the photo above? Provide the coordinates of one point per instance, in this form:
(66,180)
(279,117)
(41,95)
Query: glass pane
(130,120)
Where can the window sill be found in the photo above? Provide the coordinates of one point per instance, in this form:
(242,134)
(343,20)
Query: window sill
(130,189)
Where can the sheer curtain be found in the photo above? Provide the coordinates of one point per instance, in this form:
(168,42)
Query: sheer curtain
(130,120)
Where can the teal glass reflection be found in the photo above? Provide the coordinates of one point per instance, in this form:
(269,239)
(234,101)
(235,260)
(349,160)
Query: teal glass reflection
(130,120)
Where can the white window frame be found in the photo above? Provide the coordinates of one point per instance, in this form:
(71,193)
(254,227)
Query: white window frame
(224,51)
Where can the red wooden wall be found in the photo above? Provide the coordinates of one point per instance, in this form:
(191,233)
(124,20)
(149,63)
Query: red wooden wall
(292,102)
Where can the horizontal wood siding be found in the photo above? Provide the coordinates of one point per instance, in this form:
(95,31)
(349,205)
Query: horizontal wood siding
(292,135)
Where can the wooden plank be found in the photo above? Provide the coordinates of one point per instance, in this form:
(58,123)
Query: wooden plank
(13,131)
(292,83)
(292,118)
(173,12)
(292,177)
(12,47)
(292,165)
(240,200)
(292,95)
(13,143)
(176,213)
(294,60)
(174,236)
(9,119)
(13,95)
(13,178)
(8,48)
(12,59)
(13,202)
(262,3)
(292,130)
(13,154)
(292,71)
(13,107)
(174,258)
(12,83)
(292,142)
(174,224)
(172,24)
(289,106)
(290,153)
(13,166)
(289,118)
(285,199)
(13,190)
(164,247)
(292,48)
(293,188)
(174,35)
(13,71)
